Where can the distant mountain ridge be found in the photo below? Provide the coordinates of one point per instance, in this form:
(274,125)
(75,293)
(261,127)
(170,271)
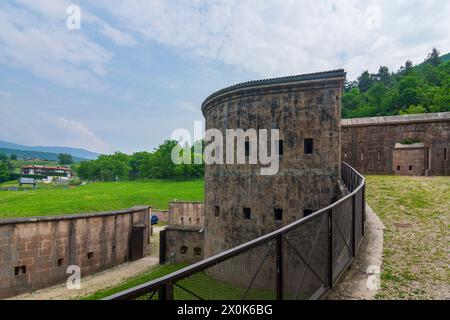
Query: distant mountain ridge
(445,57)
(29,154)
(83,154)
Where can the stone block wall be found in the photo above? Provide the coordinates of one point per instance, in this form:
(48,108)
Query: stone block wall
(409,161)
(35,252)
(163,215)
(368,143)
(186,213)
(182,244)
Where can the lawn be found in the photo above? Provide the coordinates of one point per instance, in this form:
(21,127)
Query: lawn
(155,273)
(200,284)
(416,213)
(101,196)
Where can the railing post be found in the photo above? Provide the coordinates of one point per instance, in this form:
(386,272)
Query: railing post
(354,225)
(165,292)
(330,248)
(363,204)
(279,262)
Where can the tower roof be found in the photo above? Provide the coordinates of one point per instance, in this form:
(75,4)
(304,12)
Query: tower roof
(280,80)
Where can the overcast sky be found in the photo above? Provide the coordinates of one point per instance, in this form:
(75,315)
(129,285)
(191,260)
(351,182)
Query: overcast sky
(137,70)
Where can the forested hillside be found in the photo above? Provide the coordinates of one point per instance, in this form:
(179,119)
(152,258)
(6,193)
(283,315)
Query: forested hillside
(25,154)
(411,89)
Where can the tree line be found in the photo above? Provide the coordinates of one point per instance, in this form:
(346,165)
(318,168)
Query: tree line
(6,168)
(412,89)
(140,165)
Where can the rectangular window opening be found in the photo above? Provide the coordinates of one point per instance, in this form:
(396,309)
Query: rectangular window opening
(247,148)
(308,145)
(278,214)
(280,147)
(410,168)
(90,255)
(216,211)
(445,153)
(20,270)
(247,213)
(398,168)
(60,262)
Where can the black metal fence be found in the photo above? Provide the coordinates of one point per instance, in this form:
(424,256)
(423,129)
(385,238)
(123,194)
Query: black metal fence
(302,260)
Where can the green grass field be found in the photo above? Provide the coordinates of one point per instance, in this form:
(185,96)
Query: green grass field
(102,196)
(153,274)
(416,214)
(200,284)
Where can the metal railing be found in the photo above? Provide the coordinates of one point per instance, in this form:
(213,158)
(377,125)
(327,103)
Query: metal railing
(302,260)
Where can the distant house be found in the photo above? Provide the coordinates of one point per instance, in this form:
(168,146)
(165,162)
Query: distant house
(46,173)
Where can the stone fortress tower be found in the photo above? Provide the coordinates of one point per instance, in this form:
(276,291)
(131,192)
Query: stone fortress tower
(240,203)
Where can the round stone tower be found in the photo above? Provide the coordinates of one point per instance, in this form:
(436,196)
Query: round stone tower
(240,202)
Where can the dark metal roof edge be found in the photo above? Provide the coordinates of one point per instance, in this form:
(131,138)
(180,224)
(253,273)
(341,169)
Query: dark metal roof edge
(279,80)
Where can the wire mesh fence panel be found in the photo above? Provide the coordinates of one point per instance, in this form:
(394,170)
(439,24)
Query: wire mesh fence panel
(151,295)
(359,219)
(305,258)
(311,254)
(249,275)
(342,226)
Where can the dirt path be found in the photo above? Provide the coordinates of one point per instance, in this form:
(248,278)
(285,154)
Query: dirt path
(101,280)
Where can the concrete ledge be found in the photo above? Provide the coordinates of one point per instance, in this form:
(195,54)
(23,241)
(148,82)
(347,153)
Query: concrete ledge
(72,216)
(184,201)
(412,118)
(184,228)
(353,285)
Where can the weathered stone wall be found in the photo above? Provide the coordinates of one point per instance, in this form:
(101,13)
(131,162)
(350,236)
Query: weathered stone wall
(163,215)
(35,252)
(409,161)
(183,244)
(300,107)
(186,213)
(368,143)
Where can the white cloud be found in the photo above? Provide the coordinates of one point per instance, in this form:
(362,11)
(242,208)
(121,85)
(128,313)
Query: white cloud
(287,37)
(55,54)
(34,37)
(56,10)
(32,127)
(78,134)
(120,38)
